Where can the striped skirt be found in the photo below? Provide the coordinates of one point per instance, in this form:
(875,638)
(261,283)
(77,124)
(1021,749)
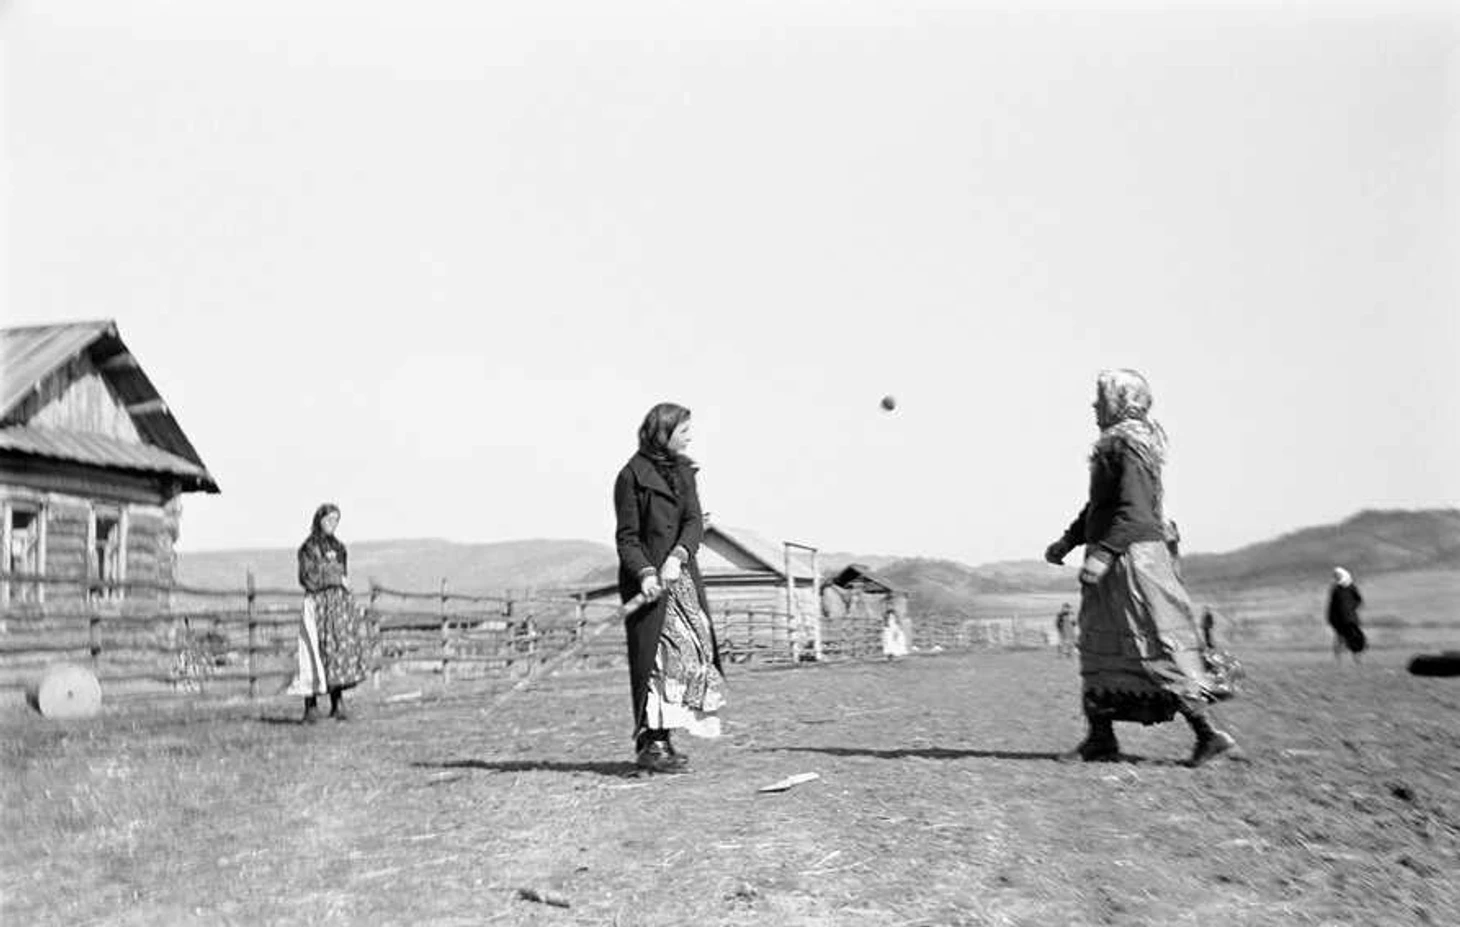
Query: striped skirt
(1141,650)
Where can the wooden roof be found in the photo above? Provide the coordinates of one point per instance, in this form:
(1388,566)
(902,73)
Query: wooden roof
(29,355)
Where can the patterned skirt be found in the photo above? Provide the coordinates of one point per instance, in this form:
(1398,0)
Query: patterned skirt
(685,688)
(1141,650)
(336,646)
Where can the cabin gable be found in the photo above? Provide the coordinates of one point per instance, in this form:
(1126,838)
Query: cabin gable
(77,397)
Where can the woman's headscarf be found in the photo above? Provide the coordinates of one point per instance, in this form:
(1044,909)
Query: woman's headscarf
(1125,399)
(654,435)
(1342,577)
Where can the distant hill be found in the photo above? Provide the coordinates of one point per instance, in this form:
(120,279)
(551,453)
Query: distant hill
(415,565)
(1368,543)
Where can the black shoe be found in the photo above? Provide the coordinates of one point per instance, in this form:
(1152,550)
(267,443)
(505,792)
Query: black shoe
(311,715)
(656,758)
(681,758)
(1219,744)
(1092,751)
(340,714)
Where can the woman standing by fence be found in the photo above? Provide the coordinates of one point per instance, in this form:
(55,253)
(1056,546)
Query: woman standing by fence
(674,662)
(1141,654)
(334,643)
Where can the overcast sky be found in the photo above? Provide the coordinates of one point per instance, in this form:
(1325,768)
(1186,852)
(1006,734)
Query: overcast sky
(434,261)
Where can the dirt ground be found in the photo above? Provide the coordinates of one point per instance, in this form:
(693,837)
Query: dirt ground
(938,803)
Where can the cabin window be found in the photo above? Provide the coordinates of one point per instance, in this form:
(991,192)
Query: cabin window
(21,550)
(108,544)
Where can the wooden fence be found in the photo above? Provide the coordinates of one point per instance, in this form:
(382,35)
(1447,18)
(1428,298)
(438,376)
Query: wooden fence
(241,642)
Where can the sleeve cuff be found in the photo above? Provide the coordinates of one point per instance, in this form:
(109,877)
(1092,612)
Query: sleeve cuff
(648,571)
(679,553)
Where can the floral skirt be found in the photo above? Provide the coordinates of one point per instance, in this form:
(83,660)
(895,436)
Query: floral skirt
(336,646)
(685,688)
(1141,652)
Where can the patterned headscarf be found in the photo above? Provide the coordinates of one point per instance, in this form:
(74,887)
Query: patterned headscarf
(1125,403)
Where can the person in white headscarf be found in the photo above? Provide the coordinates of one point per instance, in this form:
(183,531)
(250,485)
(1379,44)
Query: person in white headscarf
(1141,653)
(1343,615)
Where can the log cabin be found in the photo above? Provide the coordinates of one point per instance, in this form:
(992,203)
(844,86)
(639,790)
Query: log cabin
(93,466)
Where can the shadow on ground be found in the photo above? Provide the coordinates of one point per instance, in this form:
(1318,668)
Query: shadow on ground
(946,753)
(620,769)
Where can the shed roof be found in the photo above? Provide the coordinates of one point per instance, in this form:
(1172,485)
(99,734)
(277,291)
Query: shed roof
(759,553)
(29,354)
(857,574)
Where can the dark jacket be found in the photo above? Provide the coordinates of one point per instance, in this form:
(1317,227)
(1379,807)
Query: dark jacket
(1343,607)
(323,563)
(1124,504)
(653,519)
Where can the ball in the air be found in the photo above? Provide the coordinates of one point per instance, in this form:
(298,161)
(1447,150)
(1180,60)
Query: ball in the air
(889,403)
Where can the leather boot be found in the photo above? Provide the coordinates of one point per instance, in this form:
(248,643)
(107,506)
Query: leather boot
(311,711)
(1099,745)
(1210,742)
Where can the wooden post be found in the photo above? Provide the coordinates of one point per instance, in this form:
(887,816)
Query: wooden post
(253,640)
(816,601)
(93,625)
(445,638)
(791,602)
(373,617)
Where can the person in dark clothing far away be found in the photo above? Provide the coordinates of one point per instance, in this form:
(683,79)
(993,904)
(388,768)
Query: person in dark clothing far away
(1343,616)
(1064,626)
(1209,628)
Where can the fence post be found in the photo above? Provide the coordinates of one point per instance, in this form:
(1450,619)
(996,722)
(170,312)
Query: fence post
(374,618)
(253,639)
(93,624)
(445,638)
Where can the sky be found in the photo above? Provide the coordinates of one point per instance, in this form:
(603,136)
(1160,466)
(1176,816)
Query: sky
(435,261)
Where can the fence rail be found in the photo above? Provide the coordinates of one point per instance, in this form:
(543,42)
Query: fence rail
(202,641)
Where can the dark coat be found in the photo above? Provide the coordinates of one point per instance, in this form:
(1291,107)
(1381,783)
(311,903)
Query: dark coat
(1124,505)
(1343,616)
(652,520)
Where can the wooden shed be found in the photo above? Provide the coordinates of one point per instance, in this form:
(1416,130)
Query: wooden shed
(857,601)
(92,465)
(744,572)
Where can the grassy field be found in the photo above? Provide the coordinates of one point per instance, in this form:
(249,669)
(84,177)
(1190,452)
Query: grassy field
(938,803)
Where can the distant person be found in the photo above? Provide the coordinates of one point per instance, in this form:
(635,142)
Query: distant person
(1064,628)
(1209,628)
(1140,648)
(1343,616)
(334,640)
(675,677)
(894,636)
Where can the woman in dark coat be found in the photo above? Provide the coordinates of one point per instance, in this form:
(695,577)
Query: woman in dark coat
(675,676)
(334,640)
(1343,615)
(1141,654)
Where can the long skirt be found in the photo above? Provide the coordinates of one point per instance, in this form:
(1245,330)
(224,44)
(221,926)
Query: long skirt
(685,687)
(1141,651)
(334,647)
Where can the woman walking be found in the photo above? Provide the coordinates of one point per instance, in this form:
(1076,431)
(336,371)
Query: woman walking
(1141,654)
(334,643)
(1343,616)
(675,678)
